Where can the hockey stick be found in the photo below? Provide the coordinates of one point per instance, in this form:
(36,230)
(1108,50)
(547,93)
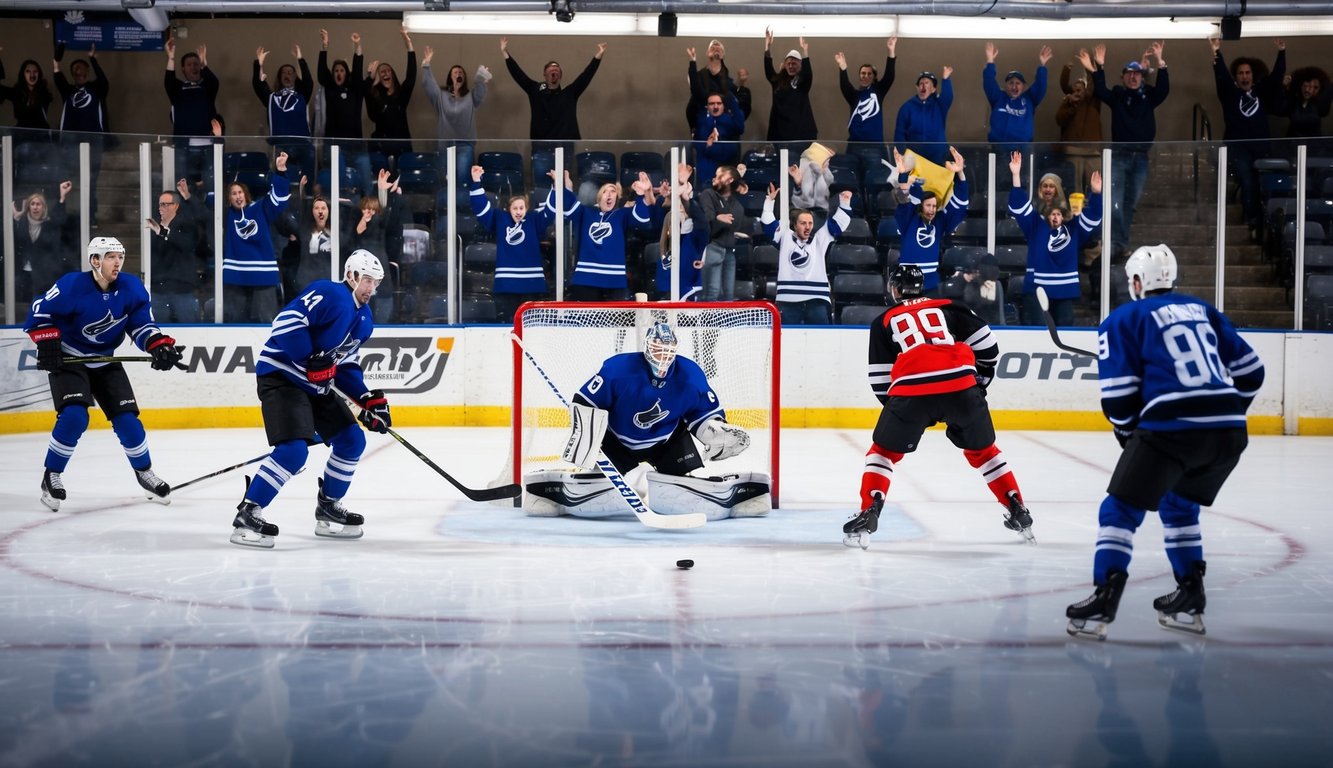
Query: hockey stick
(627,492)
(1045,303)
(476,494)
(201,478)
(114,359)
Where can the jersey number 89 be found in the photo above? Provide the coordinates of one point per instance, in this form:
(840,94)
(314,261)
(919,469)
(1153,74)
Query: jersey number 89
(925,326)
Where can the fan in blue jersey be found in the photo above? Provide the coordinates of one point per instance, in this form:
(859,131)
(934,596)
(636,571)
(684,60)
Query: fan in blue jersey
(519,274)
(924,222)
(643,408)
(599,270)
(1176,380)
(1053,246)
(88,314)
(311,355)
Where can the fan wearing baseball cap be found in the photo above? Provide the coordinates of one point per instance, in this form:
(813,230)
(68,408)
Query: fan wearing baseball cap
(1013,107)
(1133,129)
(791,120)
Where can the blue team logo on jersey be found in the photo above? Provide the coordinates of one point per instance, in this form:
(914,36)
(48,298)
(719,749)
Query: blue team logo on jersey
(646,419)
(925,236)
(92,331)
(599,231)
(1058,240)
(867,107)
(287,100)
(799,257)
(246,228)
(514,235)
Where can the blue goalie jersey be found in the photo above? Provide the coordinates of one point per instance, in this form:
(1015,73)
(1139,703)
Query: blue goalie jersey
(1173,362)
(645,411)
(93,322)
(323,318)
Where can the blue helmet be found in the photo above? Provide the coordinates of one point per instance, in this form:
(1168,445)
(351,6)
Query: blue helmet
(659,348)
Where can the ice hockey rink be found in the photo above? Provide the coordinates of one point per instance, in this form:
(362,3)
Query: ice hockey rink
(458,633)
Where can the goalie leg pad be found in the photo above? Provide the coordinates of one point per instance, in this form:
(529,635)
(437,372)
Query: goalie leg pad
(587,427)
(735,495)
(555,492)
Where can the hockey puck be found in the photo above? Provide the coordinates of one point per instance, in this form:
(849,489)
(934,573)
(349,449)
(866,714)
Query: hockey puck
(685,564)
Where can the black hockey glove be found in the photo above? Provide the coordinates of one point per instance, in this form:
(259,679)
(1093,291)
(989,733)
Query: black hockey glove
(49,355)
(320,368)
(1122,435)
(375,411)
(166,355)
(59,53)
(985,373)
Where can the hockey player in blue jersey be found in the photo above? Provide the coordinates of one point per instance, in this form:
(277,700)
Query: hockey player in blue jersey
(88,314)
(311,355)
(1176,380)
(649,408)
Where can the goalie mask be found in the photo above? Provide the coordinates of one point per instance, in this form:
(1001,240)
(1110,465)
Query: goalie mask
(1155,268)
(659,349)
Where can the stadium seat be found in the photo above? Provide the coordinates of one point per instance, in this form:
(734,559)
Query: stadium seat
(857,232)
(597,167)
(478,310)
(860,314)
(858,288)
(852,257)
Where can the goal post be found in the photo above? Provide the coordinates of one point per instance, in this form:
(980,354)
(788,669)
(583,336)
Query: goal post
(737,344)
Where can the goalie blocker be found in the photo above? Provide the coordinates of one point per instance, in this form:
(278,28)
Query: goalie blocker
(555,492)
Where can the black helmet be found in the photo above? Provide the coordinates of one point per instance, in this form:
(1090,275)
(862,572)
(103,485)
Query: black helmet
(907,280)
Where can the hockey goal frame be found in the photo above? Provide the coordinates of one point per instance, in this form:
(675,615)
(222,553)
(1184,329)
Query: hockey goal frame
(775,385)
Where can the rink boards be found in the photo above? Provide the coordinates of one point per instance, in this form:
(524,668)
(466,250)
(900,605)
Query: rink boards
(463,376)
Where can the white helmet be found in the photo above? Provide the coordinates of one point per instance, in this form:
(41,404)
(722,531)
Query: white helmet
(101,246)
(1154,266)
(362,262)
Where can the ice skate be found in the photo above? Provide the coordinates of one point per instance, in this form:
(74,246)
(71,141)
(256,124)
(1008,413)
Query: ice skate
(156,488)
(1090,618)
(1018,519)
(1183,609)
(53,490)
(330,513)
(250,529)
(857,530)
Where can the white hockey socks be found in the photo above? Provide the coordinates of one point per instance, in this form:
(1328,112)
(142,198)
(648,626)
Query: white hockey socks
(734,495)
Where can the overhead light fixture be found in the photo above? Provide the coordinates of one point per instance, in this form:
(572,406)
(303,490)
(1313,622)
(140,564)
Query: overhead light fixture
(706,25)
(563,10)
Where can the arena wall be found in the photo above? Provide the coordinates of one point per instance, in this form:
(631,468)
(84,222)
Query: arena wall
(462,376)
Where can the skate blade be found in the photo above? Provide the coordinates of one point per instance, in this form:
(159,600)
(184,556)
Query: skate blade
(326,530)
(856,540)
(51,502)
(153,497)
(1171,621)
(1087,629)
(1026,533)
(248,538)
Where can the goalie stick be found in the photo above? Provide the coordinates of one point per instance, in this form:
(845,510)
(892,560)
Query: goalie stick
(1045,303)
(627,492)
(476,494)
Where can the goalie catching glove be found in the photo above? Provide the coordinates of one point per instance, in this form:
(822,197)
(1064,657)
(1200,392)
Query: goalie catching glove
(166,355)
(375,411)
(587,427)
(721,440)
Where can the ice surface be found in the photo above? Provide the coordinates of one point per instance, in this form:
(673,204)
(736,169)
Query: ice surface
(457,633)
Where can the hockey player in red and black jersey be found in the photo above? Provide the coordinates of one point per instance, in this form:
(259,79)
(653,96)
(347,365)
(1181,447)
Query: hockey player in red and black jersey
(931,361)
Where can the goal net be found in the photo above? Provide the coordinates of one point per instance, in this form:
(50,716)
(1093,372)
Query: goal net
(735,343)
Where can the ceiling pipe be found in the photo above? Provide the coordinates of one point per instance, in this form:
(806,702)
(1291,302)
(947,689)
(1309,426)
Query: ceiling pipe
(1015,9)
